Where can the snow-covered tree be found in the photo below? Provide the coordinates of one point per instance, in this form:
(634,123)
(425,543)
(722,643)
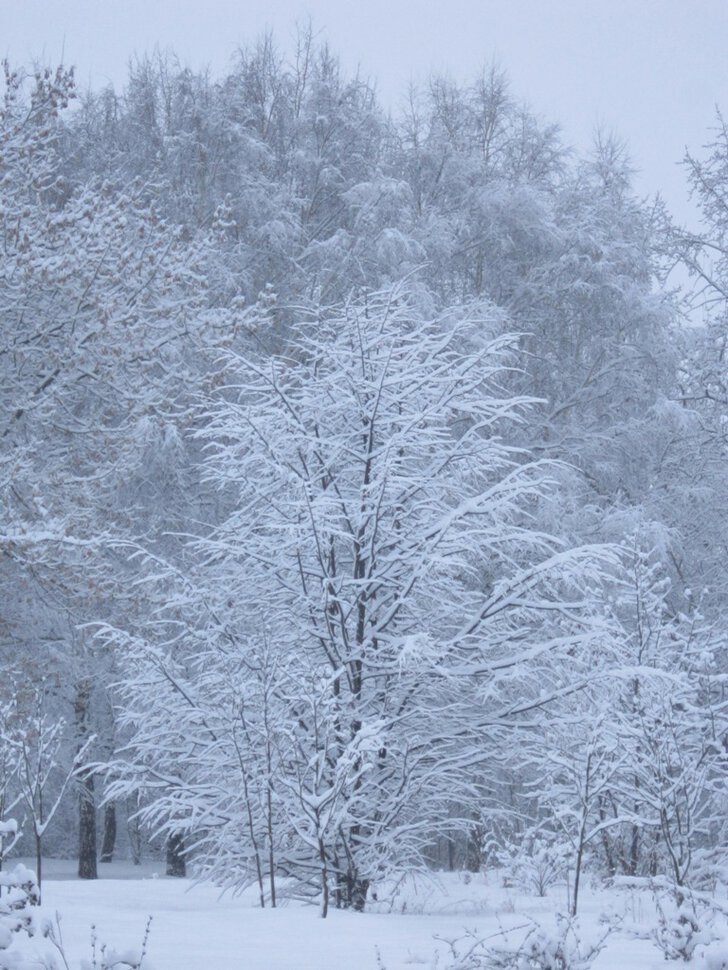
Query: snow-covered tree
(99,299)
(328,526)
(627,774)
(673,717)
(35,740)
(379,530)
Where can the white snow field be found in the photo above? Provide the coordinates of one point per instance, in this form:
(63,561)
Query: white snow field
(195,928)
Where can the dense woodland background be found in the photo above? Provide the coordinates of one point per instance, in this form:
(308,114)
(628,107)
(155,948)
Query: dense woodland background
(363,483)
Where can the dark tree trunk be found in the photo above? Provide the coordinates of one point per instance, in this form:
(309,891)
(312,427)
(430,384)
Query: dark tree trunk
(324,880)
(634,851)
(109,840)
(359,890)
(175,856)
(87,797)
(38,864)
(134,832)
(87,830)
(351,891)
(473,849)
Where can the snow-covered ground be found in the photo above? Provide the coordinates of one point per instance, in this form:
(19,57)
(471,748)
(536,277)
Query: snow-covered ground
(194,928)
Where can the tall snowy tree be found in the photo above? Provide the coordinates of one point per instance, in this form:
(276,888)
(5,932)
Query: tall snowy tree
(99,300)
(378,530)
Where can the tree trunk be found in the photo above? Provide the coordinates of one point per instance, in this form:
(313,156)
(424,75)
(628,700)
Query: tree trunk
(38,864)
(473,849)
(87,830)
(359,890)
(271,850)
(134,832)
(109,840)
(87,798)
(351,891)
(176,865)
(324,880)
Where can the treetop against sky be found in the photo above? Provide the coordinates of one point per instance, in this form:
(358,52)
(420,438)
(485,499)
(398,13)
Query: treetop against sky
(651,72)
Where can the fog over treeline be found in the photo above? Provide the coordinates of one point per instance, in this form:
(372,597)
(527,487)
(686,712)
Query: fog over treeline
(363,482)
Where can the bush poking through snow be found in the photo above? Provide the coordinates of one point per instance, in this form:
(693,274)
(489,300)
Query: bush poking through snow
(103,957)
(683,923)
(535,863)
(544,948)
(18,895)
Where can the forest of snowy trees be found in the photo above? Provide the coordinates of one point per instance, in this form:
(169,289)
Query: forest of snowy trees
(363,484)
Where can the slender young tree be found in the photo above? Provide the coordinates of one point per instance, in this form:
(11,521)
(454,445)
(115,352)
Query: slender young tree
(43,774)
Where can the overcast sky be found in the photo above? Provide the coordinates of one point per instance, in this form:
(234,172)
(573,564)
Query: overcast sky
(652,71)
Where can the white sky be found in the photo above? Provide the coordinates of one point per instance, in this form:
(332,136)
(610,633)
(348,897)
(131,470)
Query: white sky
(652,71)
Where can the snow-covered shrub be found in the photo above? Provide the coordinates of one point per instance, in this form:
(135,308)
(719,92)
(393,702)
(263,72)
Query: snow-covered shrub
(18,895)
(103,957)
(535,863)
(107,958)
(683,924)
(559,948)
(10,835)
(544,948)
(415,893)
